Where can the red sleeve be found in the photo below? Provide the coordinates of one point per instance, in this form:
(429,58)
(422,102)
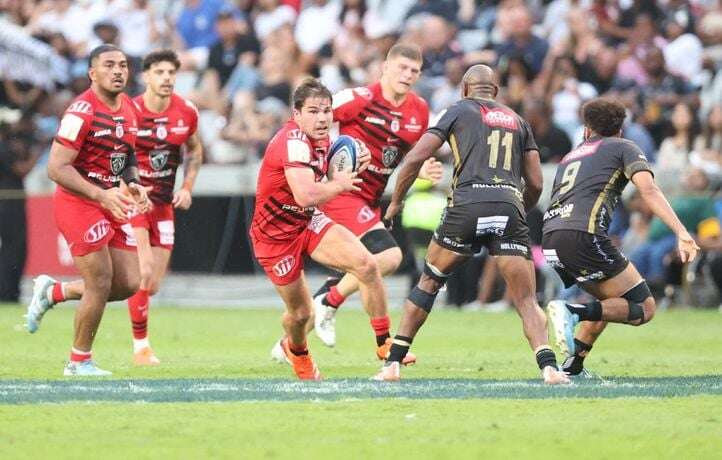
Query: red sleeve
(192,116)
(293,150)
(424,114)
(74,125)
(350,102)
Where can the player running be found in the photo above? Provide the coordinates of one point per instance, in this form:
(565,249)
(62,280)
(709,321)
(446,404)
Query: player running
(494,150)
(389,118)
(93,154)
(587,187)
(167,122)
(287,226)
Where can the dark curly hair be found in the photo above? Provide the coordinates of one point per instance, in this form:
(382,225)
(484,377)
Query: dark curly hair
(157,56)
(604,116)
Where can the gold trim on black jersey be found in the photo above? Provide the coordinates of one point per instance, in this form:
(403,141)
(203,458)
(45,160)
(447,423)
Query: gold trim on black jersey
(457,167)
(600,200)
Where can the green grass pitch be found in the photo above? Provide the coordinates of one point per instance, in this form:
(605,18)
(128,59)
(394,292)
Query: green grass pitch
(475,392)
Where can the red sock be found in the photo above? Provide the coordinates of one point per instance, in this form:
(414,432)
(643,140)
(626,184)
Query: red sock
(298,349)
(77,355)
(334,298)
(138,309)
(58,294)
(381,328)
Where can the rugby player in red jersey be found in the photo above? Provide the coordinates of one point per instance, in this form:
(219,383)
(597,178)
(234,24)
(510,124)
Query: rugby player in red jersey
(166,122)
(287,226)
(92,156)
(389,118)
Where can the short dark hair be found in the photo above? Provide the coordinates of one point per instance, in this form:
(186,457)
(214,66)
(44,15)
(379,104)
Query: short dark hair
(310,87)
(98,50)
(157,56)
(407,50)
(604,116)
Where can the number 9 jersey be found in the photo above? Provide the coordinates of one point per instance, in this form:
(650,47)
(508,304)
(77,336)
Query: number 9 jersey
(488,141)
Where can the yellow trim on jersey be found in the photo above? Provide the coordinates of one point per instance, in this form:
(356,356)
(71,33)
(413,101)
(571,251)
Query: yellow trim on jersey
(600,200)
(457,163)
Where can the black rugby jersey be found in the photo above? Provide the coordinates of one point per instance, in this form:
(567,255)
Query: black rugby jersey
(488,141)
(589,182)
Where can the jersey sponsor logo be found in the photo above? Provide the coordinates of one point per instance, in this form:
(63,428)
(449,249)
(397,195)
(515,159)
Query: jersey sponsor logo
(377,170)
(586,276)
(97,231)
(158,159)
(451,242)
(395,125)
(166,229)
(119,130)
(563,212)
(145,132)
(296,134)
(318,222)
(155,174)
(491,225)
(412,126)
(389,155)
(298,151)
(284,266)
(514,247)
(70,127)
(582,151)
(102,132)
(161,132)
(498,118)
(117,162)
(81,107)
(376,120)
(180,129)
(298,209)
(552,258)
(364,92)
(365,214)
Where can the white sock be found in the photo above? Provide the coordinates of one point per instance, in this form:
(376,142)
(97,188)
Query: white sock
(139,344)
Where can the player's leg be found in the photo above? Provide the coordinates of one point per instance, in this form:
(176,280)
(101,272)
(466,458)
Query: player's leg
(297,315)
(96,270)
(341,250)
(518,273)
(440,263)
(387,254)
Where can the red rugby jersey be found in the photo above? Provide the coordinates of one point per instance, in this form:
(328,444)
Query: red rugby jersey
(277,216)
(388,131)
(104,139)
(159,146)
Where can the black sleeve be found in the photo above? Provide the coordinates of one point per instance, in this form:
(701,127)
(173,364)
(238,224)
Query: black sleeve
(528,141)
(443,124)
(633,159)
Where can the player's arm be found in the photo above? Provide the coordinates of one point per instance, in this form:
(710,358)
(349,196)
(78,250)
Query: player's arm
(533,178)
(658,204)
(307,192)
(62,172)
(131,177)
(193,161)
(409,170)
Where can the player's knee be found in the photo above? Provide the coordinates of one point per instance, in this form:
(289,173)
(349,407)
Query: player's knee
(100,282)
(641,304)
(390,260)
(301,315)
(367,269)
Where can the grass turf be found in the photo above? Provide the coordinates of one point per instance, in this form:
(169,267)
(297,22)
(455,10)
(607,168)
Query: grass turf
(226,344)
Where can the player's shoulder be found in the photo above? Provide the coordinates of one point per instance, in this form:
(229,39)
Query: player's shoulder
(183,104)
(83,105)
(358,95)
(418,102)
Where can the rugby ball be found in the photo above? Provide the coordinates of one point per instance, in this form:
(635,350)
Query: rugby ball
(343,155)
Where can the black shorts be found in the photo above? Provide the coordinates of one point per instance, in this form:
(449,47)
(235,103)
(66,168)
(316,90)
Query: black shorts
(498,226)
(580,257)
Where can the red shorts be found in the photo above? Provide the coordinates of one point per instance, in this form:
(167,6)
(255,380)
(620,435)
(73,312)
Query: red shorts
(160,223)
(283,260)
(85,225)
(352,212)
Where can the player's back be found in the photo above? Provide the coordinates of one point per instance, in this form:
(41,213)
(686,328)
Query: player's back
(589,182)
(488,141)
(277,216)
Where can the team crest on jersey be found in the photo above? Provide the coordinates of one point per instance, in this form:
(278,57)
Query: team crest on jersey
(161,132)
(284,266)
(389,156)
(117,162)
(119,131)
(395,126)
(158,159)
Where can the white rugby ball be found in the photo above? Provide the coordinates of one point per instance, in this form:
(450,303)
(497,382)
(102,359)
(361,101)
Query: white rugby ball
(342,155)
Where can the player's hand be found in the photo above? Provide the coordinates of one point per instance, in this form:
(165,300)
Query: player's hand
(182,199)
(348,181)
(364,157)
(392,211)
(686,247)
(140,195)
(116,202)
(431,170)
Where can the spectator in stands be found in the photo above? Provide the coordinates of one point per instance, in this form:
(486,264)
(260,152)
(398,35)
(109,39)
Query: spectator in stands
(437,47)
(272,15)
(196,30)
(683,53)
(309,36)
(521,41)
(553,142)
(18,154)
(673,155)
(450,91)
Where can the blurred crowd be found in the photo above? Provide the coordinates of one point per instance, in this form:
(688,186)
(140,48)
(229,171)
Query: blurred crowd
(241,59)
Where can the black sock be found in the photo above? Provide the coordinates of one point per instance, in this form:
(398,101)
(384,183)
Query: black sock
(399,348)
(546,357)
(575,364)
(591,311)
(381,339)
(330,281)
